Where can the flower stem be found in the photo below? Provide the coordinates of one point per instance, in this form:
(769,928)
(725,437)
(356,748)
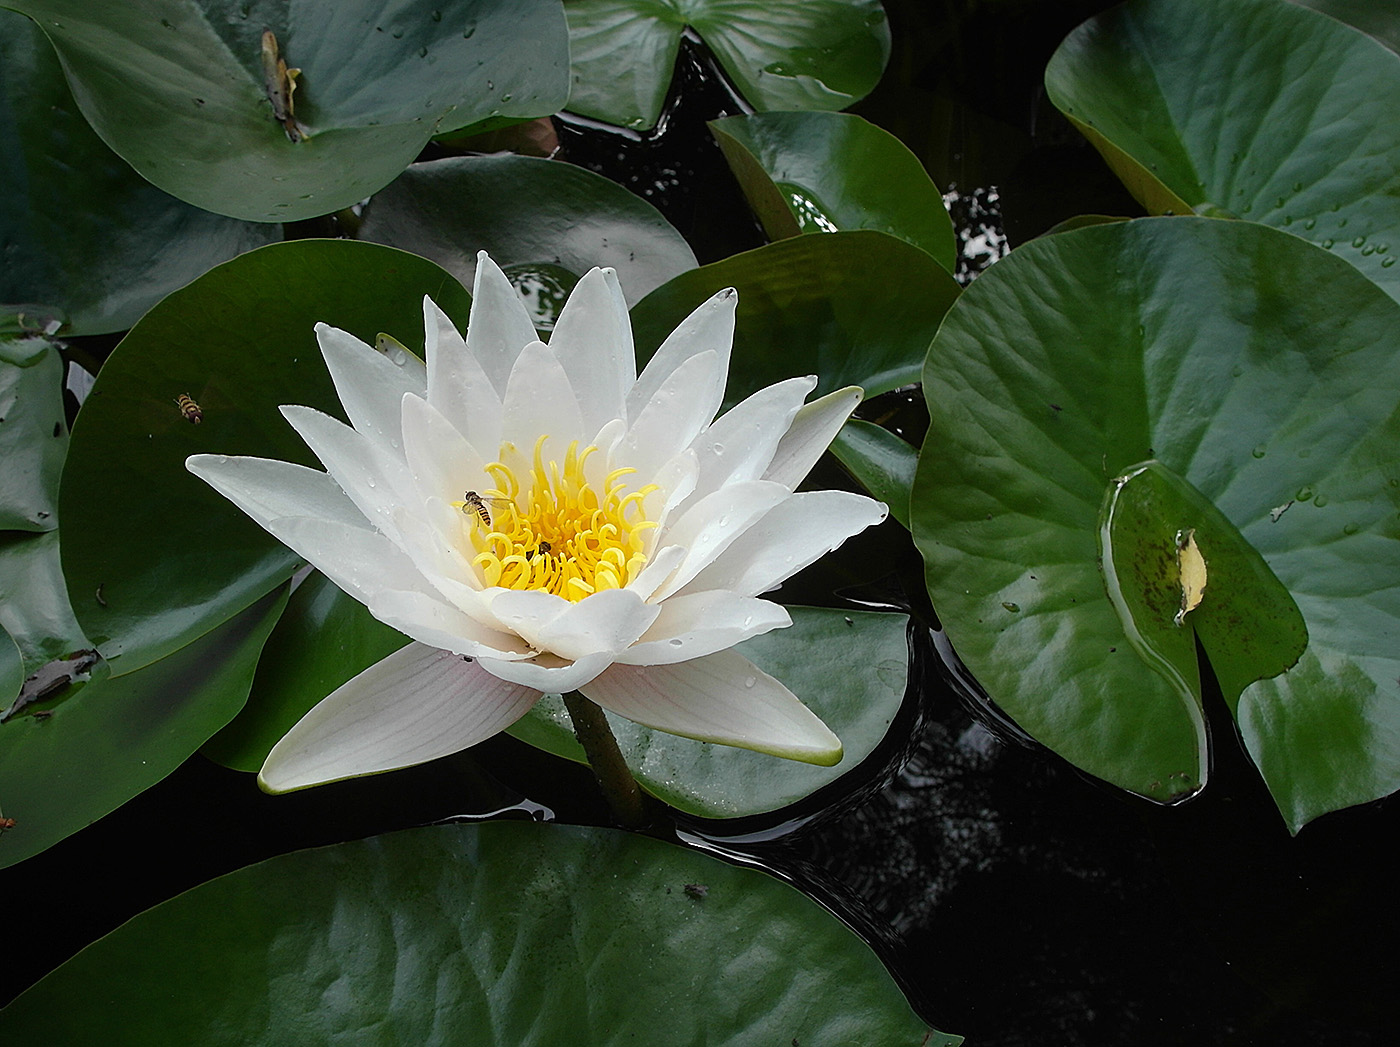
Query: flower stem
(620,789)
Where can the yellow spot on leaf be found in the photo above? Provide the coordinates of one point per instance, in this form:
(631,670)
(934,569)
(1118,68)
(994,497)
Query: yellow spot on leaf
(1191,566)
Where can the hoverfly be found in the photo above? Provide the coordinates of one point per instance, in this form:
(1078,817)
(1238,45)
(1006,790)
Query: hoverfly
(475,503)
(189,410)
(542,548)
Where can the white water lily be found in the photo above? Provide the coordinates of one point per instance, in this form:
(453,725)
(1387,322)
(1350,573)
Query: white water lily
(538,518)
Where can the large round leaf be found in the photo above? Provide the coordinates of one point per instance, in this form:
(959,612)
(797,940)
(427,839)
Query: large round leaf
(854,308)
(179,89)
(78,227)
(69,760)
(850,667)
(505,934)
(1254,109)
(174,558)
(781,54)
(1261,375)
(33,434)
(822,172)
(523,211)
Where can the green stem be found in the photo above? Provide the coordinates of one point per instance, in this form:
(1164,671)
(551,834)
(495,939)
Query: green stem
(620,789)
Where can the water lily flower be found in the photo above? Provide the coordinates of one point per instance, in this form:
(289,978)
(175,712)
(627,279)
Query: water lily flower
(538,518)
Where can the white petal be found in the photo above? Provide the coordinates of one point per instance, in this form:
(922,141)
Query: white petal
(708,526)
(711,326)
(441,461)
(794,534)
(605,622)
(811,433)
(660,567)
(374,479)
(266,489)
(457,385)
(676,413)
(499,325)
(548,673)
(538,400)
(741,444)
(430,620)
(695,625)
(360,561)
(593,340)
(416,705)
(721,698)
(369,384)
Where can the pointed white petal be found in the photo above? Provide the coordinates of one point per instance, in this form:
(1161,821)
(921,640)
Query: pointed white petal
(605,622)
(369,384)
(793,535)
(266,489)
(539,399)
(708,527)
(458,387)
(695,625)
(593,340)
(440,460)
(548,673)
(360,561)
(678,411)
(431,620)
(741,444)
(368,473)
(660,567)
(499,325)
(711,326)
(811,433)
(416,705)
(722,698)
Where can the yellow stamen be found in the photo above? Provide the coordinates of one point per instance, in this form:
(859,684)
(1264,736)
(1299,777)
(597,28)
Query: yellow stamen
(567,538)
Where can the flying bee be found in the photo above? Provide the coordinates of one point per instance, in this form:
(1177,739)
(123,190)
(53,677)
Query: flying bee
(189,409)
(475,503)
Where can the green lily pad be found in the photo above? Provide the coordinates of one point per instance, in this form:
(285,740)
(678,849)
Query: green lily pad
(322,640)
(33,436)
(524,211)
(180,91)
(503,934)
(855,308)
(822,172)
(34,607)
(780,54)
(849,667)
(69,760)
(80,227)
(172,557)
(881,461)
(1376,18)
(1295,126)
(1261,372)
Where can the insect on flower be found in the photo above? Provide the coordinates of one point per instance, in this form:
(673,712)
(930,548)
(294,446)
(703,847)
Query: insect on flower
(475,503)
(191,411)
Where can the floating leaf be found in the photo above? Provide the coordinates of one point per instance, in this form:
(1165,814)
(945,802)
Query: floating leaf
(174,558)
(780,54)
(33,434)
(178,89)
(1294,127)
(500,934)
(1257,370)
(823,172)
(881,461)
(854,308)
(525,211)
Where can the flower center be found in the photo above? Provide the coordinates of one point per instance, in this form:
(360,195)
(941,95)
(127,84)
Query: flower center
(569,538)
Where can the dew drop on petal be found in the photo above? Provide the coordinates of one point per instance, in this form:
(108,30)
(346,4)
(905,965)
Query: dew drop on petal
(676,641)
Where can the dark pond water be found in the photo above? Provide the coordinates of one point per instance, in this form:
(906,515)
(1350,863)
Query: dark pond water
(1017,901)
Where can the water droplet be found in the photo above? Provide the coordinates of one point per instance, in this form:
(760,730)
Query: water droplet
(1012,607)
(369,483)
(1310,223)
(505,97)
(1360,241)
(1328,243)
(719,448)
(1304,493)
(1382,248)
(1351,528)
(1280,202)
(1368,250)
(676,641)
(469,30)
(436,16)
(422,52)
(1320,501)
(490,85)
(1395,483)
(1288,219)
(1237,370)
(1341,222)
(1297,187)
(1386,263)
(1260,451)
(724,520)
(749,681)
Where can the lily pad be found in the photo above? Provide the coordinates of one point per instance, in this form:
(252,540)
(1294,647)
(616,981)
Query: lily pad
(503,934)
(69,760)
(525,211)
(849,667)
(1374,17)
(855,308)
(172,557)
(181,91)
(881,461)
(1249,109)
(1261,373)
(80,228)
(33,435)
(780,54)
(823,172)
